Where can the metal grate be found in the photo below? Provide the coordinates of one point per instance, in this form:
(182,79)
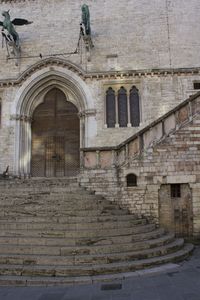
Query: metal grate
(55,138)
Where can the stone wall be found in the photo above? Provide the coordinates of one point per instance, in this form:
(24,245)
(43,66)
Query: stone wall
(128,35)
(158,94)
(174,159)
(152,55)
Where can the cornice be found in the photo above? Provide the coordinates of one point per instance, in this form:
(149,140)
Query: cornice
(128,74)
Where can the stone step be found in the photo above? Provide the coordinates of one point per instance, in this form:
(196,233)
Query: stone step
(70,226)
(50,196)
(6,184)
(62,213)
(114,244)
(106,258)
(48,241)
(34,235)
(58,206)
(98,258)
(52,199)
(63,204)
(40,181)
(91,270)
(156,239)
(70,203)
(62,239)
(66,250)
(66,219)
(19,192)
(52,227)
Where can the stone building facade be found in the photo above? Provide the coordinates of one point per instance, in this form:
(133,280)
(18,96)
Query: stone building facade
(144,63)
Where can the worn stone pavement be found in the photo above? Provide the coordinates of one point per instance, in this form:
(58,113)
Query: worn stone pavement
(169,282)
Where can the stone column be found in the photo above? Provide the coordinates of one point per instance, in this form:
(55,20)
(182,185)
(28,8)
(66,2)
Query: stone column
(22,145)
(82,129)
(90,126)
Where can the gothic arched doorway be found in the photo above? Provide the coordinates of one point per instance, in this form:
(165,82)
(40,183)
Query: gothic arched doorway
(55,137)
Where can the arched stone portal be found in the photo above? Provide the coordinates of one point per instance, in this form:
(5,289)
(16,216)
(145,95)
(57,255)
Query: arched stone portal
(55,137)
(31,97)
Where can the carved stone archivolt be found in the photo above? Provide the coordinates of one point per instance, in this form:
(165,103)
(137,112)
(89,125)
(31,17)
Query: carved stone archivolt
(31,94)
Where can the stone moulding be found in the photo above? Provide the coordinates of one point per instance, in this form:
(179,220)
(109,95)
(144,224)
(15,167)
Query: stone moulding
(125,74)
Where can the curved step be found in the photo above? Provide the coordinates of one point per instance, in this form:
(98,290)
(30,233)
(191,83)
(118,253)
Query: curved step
(85,234)
(70,219)
(94,249)
(63,242)
(50,228)
(70,226)
(46,270)
(90,259)
(30,247)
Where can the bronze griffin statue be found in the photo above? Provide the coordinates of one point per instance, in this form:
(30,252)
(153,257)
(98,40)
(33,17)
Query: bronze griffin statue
(86,19)
(9,33)
(86,31)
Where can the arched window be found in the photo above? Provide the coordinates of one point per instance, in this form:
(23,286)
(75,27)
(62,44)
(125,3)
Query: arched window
(131,180)
(134,107)
(110,108)
(122,107)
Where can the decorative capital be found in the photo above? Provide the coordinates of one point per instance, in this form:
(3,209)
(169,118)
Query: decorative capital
(24,118)
(87,113)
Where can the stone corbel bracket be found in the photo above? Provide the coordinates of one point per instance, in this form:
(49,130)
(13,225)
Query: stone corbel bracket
(88,46)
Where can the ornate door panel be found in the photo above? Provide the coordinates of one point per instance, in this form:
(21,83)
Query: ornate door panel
(55,156)
(55,137)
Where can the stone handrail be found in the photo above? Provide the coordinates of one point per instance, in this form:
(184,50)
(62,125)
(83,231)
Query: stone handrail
(108,157)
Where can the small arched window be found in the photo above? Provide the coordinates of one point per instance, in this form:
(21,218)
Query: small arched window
(131,180)
(122,107)
(134,107)
(110,108)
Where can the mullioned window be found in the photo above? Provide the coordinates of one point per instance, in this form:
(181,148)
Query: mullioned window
(122,107)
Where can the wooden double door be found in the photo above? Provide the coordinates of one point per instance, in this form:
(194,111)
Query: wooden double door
(55,137)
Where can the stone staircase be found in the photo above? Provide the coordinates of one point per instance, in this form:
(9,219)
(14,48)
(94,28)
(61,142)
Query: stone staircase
(54,232)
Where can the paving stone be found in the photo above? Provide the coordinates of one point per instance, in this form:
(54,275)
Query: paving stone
(101,297)
(191,296)
(52,296)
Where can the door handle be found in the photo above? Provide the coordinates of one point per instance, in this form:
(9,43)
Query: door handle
(57,157)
